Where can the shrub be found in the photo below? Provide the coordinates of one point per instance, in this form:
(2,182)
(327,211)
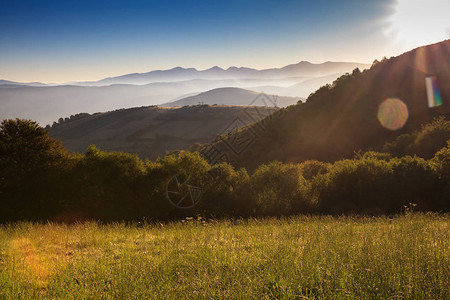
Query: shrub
(354,186)
(414,182)
(227,191)
(109,184)
(441,164)
(184,166)
(376,155)
(424,143)
(279,189)
(432,137)
(312,168)
(401,146)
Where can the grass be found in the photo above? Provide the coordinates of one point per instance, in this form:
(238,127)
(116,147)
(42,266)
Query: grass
(406,257)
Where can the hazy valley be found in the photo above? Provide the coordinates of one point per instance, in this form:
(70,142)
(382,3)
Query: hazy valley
(47,103)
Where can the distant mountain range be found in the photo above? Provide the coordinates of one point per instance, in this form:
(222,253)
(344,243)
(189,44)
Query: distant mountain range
(47,103)
(302,69)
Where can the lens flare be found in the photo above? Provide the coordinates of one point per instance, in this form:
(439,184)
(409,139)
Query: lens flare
(393,113)
(434,98)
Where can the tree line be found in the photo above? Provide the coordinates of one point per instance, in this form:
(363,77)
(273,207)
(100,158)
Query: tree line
(41,180)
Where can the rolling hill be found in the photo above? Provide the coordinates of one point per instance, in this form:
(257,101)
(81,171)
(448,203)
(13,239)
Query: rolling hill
(152,131)
(7,82)
(347,116)
(231,96)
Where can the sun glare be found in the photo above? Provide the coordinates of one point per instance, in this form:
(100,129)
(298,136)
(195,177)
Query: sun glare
(420,22)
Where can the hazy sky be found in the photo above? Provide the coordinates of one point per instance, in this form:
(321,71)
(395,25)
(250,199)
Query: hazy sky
(63,40)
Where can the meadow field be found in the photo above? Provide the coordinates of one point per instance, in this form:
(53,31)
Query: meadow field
(303,257)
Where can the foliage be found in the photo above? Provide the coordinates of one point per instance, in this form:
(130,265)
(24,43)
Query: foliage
(441,163)
(414,182)
(401,146)
(40,180)
(313,168)
(31,164)
(432,137)
(109,184)
(227,191)
(279,189)
(353,186)
(424,143)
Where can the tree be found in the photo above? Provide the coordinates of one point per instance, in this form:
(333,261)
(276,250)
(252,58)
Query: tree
(356,72)
(28,158)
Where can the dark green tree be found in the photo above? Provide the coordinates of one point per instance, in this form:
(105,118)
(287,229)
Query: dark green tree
(29,159)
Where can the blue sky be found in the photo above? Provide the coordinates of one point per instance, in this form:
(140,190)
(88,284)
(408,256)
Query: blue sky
(60,41)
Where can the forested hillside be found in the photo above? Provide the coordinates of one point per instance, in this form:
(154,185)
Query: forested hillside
(151,131)
(347,116)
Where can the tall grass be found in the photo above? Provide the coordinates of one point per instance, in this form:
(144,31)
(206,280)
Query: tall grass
(406,257)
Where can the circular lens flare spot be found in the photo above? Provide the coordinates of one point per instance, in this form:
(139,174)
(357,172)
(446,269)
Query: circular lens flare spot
(393,113)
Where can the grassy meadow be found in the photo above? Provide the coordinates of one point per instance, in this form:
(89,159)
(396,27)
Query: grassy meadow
(405,257)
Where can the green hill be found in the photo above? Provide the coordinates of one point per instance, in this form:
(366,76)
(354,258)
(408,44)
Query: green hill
(151,131)
(344,117)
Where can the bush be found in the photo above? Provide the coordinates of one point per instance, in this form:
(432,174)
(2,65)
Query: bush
(441,161)
(401,146)
(432,137)
(354,186)
(441,165)
(108,184)
(424,143)
(227,191)
(279,189)
(414,182)
(313,168)
(185,166)
(376,155)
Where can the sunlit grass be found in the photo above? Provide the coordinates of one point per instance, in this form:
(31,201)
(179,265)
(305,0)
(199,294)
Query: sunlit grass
(316,257)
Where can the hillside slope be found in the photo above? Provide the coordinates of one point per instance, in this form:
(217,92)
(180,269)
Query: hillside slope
(152,131)
(230,96)
(342,118)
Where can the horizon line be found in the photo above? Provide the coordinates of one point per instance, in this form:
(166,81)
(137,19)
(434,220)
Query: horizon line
(180,67)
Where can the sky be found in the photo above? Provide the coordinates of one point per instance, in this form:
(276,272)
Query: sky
(63,41)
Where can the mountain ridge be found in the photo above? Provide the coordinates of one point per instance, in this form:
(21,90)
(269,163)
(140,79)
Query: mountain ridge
(217,72)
